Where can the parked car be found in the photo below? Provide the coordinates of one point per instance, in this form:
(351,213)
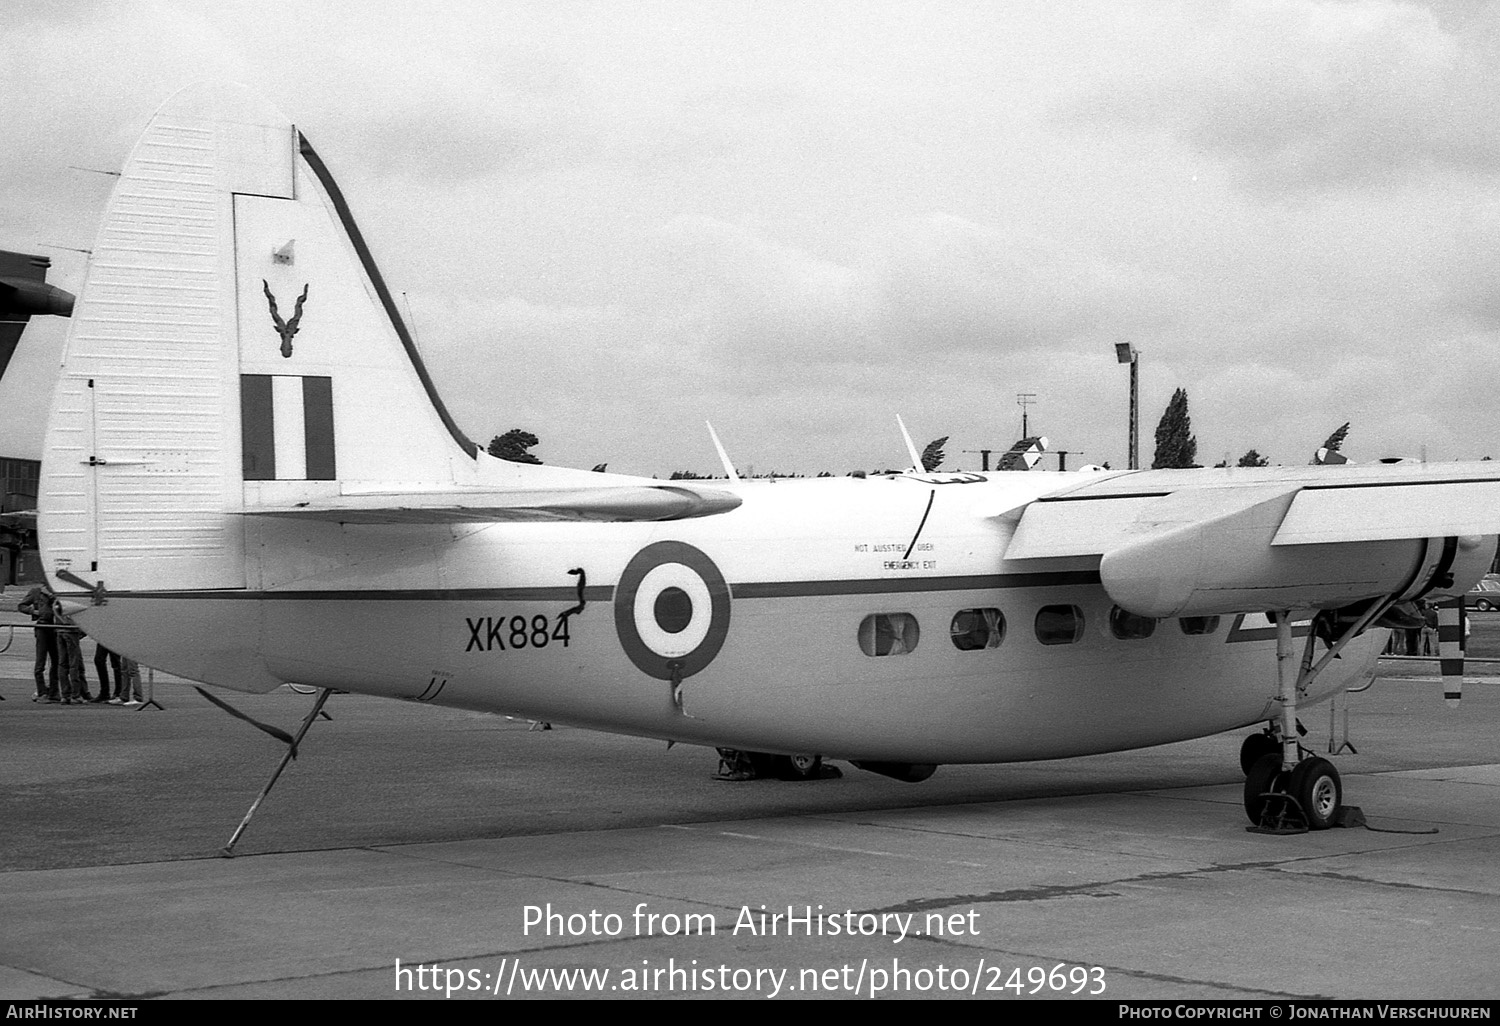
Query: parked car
(1485,595)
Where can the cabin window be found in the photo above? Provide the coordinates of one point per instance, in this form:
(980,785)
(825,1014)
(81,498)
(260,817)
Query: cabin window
(1059,625)
(887,634)
(974,629)
(1198,624)
(1129,627)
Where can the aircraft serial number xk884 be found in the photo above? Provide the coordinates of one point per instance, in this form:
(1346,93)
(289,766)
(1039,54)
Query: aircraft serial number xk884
(249,480)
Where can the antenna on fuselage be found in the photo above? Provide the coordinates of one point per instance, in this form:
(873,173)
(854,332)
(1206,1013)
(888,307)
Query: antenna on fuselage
(723,456)
(911,448)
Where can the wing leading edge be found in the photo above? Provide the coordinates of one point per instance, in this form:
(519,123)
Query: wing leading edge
(1197,542)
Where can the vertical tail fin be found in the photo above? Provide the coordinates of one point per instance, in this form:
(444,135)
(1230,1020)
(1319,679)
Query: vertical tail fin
(233,345)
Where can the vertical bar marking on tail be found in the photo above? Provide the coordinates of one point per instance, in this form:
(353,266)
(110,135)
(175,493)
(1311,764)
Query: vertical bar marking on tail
(287,427)
(257,434)
(317,418)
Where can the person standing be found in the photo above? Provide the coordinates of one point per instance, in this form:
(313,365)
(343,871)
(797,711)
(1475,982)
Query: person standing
(75,685)
(132,676)
(105,660)
(38,604)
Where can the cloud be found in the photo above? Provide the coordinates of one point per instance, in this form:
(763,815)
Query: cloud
(1315,95)
(615,221)
(950,285)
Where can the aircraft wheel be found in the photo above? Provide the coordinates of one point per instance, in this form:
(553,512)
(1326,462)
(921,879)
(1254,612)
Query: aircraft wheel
(1264,776)
(1316,786)
(1255,747)
(803,767)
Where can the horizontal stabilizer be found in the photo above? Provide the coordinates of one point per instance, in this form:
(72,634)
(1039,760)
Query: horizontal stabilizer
(609,504)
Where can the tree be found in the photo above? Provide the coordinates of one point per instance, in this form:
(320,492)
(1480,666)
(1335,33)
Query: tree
(513,446)
(1175,444)
(1336,440)
(1328,453)
(932,456)
(1253,459)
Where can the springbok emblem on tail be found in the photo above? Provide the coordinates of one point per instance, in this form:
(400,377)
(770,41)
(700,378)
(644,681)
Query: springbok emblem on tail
(286,329)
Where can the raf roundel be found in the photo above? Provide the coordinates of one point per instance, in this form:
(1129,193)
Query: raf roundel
(671,610)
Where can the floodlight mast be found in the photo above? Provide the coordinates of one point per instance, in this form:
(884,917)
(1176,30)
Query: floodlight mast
(1127,353)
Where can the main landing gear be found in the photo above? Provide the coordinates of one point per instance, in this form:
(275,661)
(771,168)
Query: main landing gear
(738,765)
(1308,797)
(1287,789)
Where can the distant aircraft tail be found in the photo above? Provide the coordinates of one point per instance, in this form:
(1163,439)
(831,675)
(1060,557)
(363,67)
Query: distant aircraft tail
(24,292)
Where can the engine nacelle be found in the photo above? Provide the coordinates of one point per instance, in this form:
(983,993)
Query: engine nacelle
(1231,563)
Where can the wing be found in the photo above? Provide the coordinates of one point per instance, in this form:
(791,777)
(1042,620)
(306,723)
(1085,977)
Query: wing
(1201,542)
(604,504)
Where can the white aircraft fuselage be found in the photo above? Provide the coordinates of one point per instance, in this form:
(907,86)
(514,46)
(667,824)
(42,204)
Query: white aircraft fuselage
(469,616)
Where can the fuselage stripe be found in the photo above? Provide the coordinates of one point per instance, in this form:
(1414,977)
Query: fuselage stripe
(885,586)
(605,592)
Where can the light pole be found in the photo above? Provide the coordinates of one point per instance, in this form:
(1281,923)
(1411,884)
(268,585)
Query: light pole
(1127,353)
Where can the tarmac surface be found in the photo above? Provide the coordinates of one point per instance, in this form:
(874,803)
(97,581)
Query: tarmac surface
(426,835)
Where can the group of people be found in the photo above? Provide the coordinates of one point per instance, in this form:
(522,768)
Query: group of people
(57,645)
(1418,641)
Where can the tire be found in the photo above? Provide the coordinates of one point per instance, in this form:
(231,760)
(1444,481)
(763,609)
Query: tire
(1317,787)
(1256,747)
(1483,605)
(1264,776)
(803,767)
(789,767)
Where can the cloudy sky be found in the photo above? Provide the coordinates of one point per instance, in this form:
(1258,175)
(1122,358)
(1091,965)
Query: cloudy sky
(613,221)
